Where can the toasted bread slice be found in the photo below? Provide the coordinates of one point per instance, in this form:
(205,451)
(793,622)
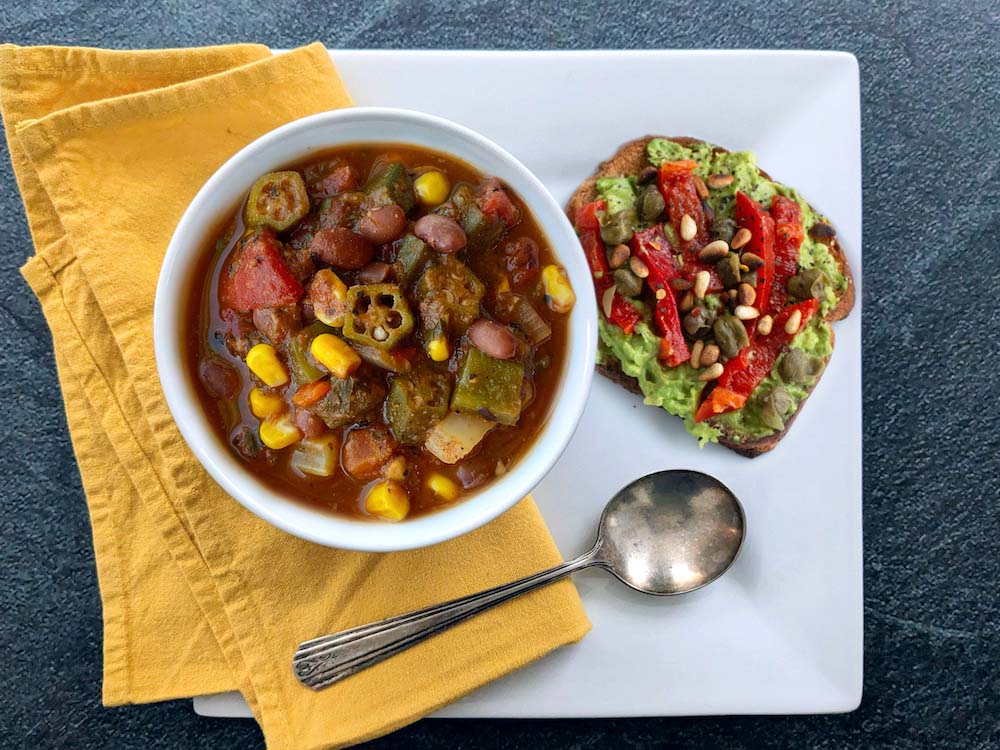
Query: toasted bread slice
(629,160)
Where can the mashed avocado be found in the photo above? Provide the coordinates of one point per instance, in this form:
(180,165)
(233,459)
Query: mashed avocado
(677,389)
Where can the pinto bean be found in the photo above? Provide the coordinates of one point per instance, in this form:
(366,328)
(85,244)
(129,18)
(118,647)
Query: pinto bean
(341,247)
(493,339)
(311,425)
(375,272)
(443,234)
(382,224)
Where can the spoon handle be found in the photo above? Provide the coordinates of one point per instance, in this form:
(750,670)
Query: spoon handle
(323,661)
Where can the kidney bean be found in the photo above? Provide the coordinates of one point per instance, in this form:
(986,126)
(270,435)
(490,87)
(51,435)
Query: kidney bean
(374,273)
(341,247)
(493,339)
(382,224)
(311,425)
(443,234)
(522,259)
(220,380)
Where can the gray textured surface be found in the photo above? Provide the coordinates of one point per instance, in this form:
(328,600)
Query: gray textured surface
(932,454)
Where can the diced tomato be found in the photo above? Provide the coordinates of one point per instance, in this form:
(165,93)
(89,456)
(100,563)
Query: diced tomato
(788,234)
(256,276)
(496,204)
(743,373)
(750,216)
(586,215)
(679,193)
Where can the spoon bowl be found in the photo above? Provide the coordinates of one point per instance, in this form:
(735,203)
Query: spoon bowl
(670,532)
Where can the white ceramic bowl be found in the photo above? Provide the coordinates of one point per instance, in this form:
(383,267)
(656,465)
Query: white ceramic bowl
(297,141)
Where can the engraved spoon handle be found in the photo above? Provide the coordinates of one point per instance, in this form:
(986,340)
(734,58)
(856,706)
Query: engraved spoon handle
(320,662)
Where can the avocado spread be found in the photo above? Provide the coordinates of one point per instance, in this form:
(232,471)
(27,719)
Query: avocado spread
(678,389)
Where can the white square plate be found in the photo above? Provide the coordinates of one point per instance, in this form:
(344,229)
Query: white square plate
(782,631)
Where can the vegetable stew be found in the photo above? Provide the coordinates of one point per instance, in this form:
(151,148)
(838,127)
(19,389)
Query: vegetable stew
(378,331)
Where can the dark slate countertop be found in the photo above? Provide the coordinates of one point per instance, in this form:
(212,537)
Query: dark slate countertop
(931,130)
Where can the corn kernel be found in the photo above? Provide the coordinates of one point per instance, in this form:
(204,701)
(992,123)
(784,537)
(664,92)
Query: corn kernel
(432,188)
(335,354)
(279,433)
(264,404)
(388,499)
(330,298)
(264,363)
(558,291)
(443,487)
(503,286)
(437,349)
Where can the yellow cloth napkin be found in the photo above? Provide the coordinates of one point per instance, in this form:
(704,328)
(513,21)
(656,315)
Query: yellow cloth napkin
(199,595)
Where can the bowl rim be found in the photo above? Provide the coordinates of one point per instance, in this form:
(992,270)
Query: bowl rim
(301,519)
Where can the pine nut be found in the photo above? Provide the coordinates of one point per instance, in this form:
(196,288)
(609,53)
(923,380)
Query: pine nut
(746,294)
(713,372)
(719,181)
(764,325)
(686,303)
(607,300)
(700,187)
(688,228)
(745,312)
(661,294)
(741,238)
(619,254)
(713,251)
(793,322)
(639,268)
(709,355)
(696,350)
(751,260)
(701,280)
(680,285)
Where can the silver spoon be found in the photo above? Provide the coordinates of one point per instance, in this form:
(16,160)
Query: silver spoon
(667,533)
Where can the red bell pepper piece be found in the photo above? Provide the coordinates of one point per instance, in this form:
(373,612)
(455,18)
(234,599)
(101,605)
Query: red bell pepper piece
(652,247)
(586,215)
(744,372)
(750,215)
(788,234)
(676,183)
(623,313)
(255,276)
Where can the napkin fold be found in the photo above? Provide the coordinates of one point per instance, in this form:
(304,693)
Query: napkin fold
(198,594)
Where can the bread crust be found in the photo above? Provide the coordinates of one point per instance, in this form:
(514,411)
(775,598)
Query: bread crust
(630,159)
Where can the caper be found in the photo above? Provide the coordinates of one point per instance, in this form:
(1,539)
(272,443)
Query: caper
(730,334)
(797,367)
(671,233)
(651,204)
(647,175)
(723,229)
(750,278)
(774,405)
(808,283)
(617,229)
(627,282)
(698,322)
(729,270)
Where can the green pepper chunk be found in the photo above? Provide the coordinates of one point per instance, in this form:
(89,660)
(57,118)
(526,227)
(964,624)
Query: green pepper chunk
(348,400)
(378,315)
(489,387)
(411,257)
(277,200)
(448,294)
(416,402)
(391,183)
(297,349)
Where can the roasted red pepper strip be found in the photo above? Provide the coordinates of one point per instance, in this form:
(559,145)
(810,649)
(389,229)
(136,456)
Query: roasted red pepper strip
(744,372)
(788,234)
(653,248)
(586,215)
(623,313)
(750,215)
(676,183)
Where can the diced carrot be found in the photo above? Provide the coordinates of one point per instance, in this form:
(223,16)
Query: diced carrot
(311,393)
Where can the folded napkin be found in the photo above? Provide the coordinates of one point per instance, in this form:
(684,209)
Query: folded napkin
(200,595)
